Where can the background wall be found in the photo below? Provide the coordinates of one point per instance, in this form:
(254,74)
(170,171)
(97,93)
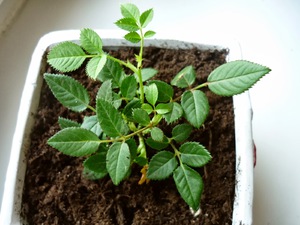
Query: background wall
(268,33)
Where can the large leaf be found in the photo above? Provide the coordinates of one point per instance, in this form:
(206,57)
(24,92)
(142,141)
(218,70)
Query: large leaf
(66,56)
(110,119)
(91,41)
(95,166)
(133,37)
(157,134)
(95,65)
(161,165)
(105,91)
(141,116)
(194,154)
(129,87)
(195,106)
(151,93)
(127,24)
(68,91)
(118,161)
(75,141)
(235,77)
(185,78)
(189,184)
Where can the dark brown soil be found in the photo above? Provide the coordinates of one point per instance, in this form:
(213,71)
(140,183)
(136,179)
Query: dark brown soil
(56,192)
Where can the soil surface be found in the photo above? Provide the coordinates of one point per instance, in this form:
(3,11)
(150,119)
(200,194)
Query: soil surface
(56,192)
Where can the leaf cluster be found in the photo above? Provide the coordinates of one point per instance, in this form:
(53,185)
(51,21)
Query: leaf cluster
(130,108)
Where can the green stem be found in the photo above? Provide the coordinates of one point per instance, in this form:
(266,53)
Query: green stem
(192,89)
(139,67)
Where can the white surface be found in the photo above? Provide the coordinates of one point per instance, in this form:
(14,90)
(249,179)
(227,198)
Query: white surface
(269,35)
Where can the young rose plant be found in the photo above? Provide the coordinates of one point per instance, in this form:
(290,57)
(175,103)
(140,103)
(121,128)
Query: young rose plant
(130,108)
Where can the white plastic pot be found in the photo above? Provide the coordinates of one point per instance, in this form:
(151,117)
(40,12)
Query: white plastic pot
(11,204)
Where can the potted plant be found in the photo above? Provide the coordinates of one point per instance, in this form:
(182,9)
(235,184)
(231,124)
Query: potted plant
(133,112)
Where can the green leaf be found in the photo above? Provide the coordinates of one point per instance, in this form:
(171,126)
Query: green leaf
(157,144)
(95,166)
(129,87)
(161,165)
(127,24)
(175,113)
(129,10)
(148,108)
(112,70)
(105,91)
(110,119)
(189,184)
(128,109)
(163,108)
(118,161)
(235,77)
(66,56)
(195,106)
(181,132)
(90,41)
(91,123)
(157,134)
(194,154)
(133,37)
(132,148)
(95,65)
(75,141)
(68,91)
(146,17)
(65,123)
(141,116)
(147,73)
(165,91)
(185,78)
(151,93)
(149,34)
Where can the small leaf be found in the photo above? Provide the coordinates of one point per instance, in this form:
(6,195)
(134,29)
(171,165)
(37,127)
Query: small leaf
(194,154)
(161,165)
(66,56)
(148,108)
(156,144)
(175,113)
(90,41)
(141,116)
(95,166)
(110,119)
(129,10)
(127,24)
(75,141)
(157,134)
(146,17)
(235,77)
(133,37)
(165,91)
(185,78)
(132,148)
(68,91)
(105,91)
(195,107)
(91,123)
(147,73)
(181,132)
(128,109)
(65,123)
(151,93)
(129,87)
(95,65)
(118,161)
(149,34)
(163,108)
(189,184)
(112,71)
